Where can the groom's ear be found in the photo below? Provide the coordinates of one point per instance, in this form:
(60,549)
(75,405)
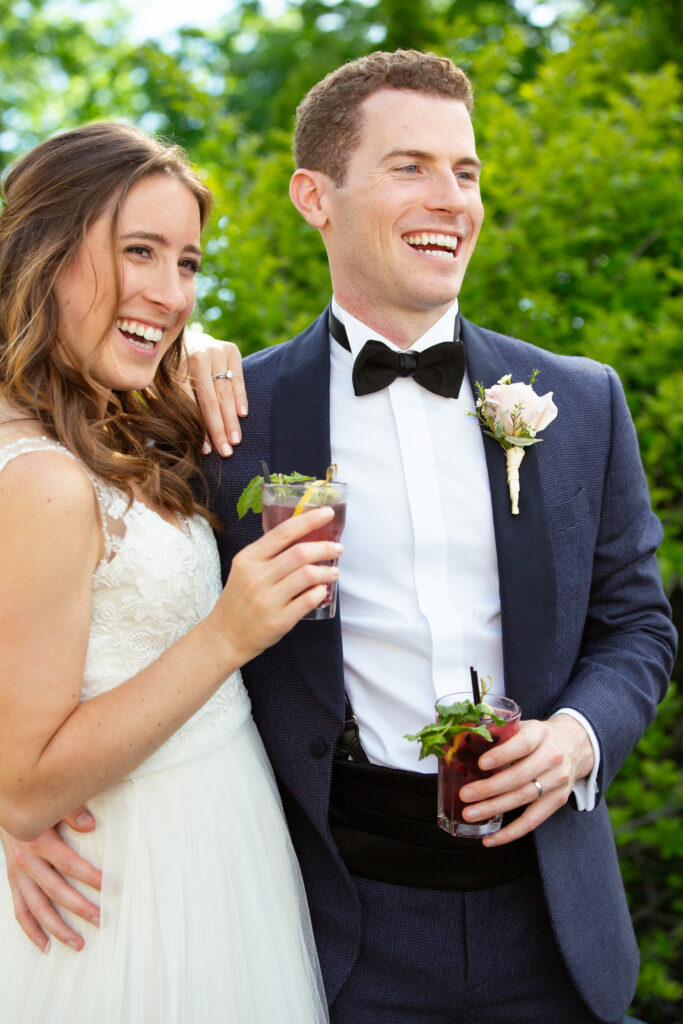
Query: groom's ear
(308,191)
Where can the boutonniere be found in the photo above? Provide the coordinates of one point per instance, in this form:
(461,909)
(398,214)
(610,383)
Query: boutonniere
(513,414)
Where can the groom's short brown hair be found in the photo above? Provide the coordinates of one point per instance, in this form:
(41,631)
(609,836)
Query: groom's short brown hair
(328,128)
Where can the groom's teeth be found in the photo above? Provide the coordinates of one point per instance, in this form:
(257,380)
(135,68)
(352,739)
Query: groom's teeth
(448,242)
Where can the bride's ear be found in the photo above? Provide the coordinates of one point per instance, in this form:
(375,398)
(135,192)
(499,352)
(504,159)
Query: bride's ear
(309,190)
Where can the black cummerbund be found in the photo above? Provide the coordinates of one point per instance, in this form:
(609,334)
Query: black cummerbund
(384,823)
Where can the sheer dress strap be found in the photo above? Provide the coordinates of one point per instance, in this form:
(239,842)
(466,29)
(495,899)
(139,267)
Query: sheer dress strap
(111,502)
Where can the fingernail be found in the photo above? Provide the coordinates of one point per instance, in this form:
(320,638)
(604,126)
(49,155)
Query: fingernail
(48,947)
(335,572)
(486,762)
(83,819)
(242,411)
(472,815)
(235,437)
(73,944)
(466,794)
(226,450)
(95,919)
(490,841)
(206,448)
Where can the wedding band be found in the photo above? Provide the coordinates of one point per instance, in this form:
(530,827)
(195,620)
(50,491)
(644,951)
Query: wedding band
(226,375)
(539,788)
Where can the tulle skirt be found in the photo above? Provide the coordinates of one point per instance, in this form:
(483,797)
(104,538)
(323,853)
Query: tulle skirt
(203,913)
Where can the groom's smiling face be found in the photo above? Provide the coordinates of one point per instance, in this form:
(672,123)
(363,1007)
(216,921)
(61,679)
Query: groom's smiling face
(402,227)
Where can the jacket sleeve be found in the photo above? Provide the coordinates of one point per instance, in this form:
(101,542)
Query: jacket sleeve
(629,642)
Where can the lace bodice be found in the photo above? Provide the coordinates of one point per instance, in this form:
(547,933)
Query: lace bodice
(154,583)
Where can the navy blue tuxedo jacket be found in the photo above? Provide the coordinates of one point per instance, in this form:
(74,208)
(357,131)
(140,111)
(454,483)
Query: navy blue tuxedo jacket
(585,625)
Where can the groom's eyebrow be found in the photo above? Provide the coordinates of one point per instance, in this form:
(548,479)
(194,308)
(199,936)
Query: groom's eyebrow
(423,154)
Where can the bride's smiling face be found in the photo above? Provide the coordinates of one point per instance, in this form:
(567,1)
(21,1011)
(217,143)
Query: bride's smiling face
(156,254)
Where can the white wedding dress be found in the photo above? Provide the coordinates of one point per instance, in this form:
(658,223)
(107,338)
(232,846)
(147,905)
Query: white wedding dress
(203,912)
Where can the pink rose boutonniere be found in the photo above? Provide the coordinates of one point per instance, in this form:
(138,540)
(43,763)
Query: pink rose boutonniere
(513,414)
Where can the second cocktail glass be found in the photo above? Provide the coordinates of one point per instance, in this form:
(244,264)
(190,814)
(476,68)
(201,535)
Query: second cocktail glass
(458,765)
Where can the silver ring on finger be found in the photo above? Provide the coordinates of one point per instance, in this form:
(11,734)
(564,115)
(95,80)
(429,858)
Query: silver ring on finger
(539,788)
(225,375)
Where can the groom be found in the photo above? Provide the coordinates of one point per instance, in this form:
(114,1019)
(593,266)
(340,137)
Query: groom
(562,604)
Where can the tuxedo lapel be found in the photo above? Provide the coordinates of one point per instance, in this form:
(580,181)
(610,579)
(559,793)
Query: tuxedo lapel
(301,443)
(301,404)
(526,564)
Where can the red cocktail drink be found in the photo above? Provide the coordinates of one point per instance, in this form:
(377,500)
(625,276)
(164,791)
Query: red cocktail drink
(280,501)
(458,766)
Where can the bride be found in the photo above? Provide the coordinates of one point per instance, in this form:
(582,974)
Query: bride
(119,651)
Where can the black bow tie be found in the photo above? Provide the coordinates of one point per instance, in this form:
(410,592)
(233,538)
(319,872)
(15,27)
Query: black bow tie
(439,369)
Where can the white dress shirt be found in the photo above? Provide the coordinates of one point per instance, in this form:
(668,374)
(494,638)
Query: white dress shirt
(419,595)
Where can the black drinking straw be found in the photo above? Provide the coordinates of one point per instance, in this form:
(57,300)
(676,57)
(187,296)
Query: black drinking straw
(266,472)
(476,693)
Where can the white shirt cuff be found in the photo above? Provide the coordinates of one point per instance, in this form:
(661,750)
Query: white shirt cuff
(585,790)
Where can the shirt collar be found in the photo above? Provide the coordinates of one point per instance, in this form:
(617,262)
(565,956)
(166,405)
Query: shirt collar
(358,332)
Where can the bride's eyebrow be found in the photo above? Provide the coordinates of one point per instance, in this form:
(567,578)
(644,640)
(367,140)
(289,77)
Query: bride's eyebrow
(152,236)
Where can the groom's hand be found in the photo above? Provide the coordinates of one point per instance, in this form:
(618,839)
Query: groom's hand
(556,754)
(38,872)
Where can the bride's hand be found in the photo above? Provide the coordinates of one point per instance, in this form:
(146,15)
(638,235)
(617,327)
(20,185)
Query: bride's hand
(223,400)
(37,874)
(273,583)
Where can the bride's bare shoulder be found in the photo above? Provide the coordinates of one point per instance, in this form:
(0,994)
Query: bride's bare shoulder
(50,472)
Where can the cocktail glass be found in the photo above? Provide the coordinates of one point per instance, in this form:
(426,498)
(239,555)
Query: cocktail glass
(459,765)
(280,501)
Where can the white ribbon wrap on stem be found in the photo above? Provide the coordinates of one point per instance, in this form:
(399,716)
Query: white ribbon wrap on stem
(513,458)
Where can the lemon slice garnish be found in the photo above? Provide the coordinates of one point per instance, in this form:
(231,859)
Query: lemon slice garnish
(455,743)
(308,494)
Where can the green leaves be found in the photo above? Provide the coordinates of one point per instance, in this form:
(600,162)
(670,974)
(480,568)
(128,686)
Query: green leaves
(513,439)
(463,716)
(250,498)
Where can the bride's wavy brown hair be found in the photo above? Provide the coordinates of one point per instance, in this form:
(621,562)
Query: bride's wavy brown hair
(51,197)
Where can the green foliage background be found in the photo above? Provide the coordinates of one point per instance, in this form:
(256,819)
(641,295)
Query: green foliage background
(579,128)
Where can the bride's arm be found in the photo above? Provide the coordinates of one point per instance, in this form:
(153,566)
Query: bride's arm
(56,751)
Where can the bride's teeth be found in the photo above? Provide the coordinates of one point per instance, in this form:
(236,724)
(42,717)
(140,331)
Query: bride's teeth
(145,332)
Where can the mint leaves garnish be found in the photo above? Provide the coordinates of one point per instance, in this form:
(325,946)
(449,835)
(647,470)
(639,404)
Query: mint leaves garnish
(250,498)
(462,716)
